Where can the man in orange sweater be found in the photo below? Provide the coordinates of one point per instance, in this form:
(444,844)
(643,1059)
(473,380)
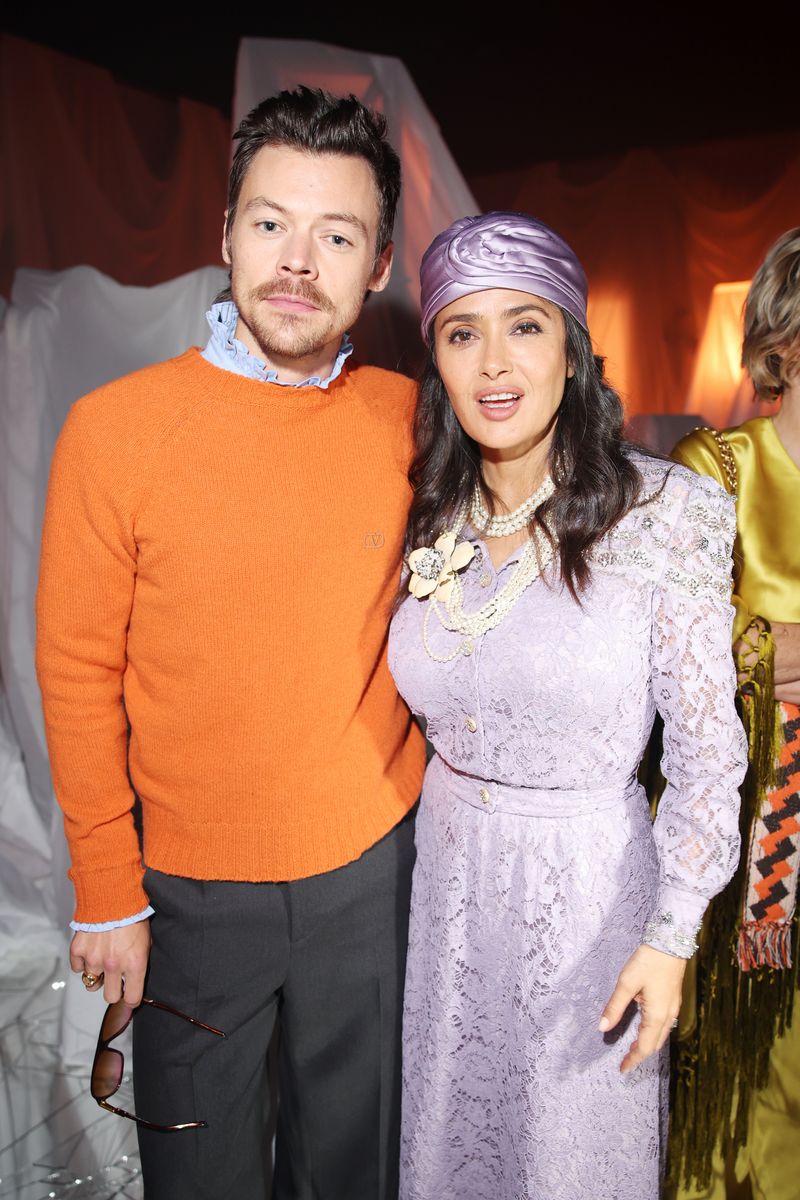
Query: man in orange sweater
(221,545)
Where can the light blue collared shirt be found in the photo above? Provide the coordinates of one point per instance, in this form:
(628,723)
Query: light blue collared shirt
(226,351)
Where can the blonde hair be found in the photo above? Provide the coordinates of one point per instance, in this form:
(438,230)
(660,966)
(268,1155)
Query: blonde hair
(771,347)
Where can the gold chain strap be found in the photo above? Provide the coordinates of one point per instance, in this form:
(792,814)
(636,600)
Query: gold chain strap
(726,454)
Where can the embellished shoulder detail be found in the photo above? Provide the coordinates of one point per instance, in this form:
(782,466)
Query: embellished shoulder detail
(679,534)
(700,554)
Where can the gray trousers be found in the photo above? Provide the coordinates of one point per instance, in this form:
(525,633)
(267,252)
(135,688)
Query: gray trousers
(325,956)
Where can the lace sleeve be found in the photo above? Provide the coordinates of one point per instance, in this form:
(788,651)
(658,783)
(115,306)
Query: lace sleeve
(700,451)
(694,683)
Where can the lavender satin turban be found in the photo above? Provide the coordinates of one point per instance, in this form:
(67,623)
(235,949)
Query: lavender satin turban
(500,250)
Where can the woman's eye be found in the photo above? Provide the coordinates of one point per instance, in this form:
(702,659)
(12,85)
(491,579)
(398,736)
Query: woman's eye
(460,336)
(525,327)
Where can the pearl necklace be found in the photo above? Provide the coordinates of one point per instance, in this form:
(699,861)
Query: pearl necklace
(505,523)
(537,555)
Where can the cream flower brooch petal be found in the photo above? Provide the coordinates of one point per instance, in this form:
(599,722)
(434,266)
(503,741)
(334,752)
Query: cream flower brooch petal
(433,567)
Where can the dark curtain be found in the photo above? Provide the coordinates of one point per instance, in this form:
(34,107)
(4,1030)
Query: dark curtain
(96,173)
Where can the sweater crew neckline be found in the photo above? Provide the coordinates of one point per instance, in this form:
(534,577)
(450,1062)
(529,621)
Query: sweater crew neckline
(231,387)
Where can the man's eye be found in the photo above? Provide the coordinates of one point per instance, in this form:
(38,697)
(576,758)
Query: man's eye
(338,239)
(268,226)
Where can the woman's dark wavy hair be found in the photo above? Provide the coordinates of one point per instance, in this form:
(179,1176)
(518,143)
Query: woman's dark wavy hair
(596,483)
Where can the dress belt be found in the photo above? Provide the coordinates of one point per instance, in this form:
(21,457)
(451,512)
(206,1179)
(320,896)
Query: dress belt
(490,796)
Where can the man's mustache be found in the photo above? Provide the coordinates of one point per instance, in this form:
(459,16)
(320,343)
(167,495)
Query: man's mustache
(300,289)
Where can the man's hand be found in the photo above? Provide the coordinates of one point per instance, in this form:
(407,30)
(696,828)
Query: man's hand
(654,980)
(119,954)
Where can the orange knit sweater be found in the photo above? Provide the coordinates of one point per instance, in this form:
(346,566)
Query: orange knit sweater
(219,556)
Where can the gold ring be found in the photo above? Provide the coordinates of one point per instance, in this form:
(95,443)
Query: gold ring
(89,980)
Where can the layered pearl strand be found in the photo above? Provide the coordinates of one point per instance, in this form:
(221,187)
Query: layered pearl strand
(506,523)
(536,556)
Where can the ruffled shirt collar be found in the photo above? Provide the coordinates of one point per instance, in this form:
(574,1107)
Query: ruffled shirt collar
(226,351)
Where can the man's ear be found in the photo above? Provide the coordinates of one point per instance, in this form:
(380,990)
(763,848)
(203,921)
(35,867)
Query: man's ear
(382,270)
(226,253)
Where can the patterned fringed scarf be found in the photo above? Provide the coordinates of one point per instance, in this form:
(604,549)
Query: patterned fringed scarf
(745,976)
(773,850)
(765,937)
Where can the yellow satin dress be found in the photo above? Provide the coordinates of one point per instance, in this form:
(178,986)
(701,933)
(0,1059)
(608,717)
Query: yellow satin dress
(767,549)
(766,584)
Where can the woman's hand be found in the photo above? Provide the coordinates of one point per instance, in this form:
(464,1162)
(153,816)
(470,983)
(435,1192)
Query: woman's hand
(787,656)
(653,979)
(749,649)
(787,661)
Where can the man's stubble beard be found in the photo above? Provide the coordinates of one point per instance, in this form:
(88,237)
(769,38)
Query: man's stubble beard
(283,334)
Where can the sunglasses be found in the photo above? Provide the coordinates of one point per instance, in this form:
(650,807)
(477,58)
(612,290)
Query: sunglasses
(109,1064)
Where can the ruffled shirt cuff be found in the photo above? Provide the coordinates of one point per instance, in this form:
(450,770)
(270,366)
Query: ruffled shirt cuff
(104,926)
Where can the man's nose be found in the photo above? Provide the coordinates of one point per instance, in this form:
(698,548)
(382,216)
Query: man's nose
(297,256)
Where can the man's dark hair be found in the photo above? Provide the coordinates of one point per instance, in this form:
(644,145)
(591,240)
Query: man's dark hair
(312,120)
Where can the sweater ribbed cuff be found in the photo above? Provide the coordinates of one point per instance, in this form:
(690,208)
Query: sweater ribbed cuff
(108,894)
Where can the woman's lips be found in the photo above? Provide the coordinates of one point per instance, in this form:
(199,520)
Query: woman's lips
(499,405)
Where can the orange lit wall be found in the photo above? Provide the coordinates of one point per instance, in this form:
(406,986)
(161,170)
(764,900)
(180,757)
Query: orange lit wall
(657,232)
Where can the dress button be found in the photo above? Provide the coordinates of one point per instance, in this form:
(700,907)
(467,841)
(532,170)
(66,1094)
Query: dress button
(471,724)
(484,795)
(485,579)
(467,648)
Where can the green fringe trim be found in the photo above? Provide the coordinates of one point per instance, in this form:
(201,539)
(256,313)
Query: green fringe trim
(761,719)
(725,1055)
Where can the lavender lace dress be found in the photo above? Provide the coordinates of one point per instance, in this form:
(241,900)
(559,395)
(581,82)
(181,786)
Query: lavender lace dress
(538,867)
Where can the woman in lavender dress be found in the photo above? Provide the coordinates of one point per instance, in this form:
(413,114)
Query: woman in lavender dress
(563,587)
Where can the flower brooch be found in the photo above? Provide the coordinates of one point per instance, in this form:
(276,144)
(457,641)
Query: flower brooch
(433,568)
